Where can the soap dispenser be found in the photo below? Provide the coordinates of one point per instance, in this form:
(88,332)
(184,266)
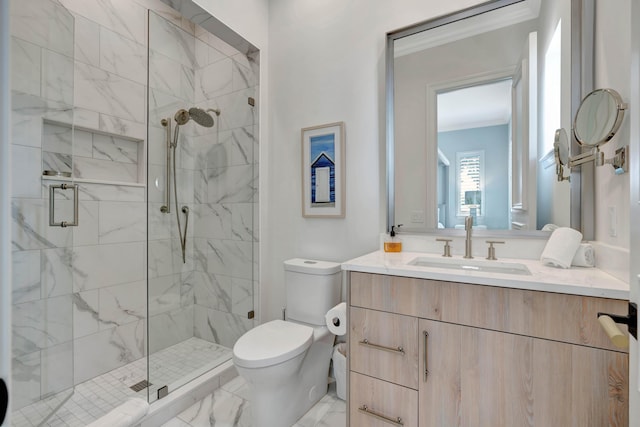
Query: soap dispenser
(391,244)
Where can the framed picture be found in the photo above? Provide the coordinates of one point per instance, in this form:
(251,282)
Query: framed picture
(323,177)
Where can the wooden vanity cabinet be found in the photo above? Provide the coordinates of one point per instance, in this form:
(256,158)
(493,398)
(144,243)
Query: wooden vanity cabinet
(494,356)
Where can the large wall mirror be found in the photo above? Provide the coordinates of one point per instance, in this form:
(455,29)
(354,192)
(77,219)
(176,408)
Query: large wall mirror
(473,102)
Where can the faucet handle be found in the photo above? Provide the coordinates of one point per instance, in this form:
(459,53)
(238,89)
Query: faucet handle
(447,247)
(491,253)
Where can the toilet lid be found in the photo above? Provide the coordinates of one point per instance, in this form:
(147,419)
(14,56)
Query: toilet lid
(271,343)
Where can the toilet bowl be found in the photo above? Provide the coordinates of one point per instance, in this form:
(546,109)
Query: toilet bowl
(286,363)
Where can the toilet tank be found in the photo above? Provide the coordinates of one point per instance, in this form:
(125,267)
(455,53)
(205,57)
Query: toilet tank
(312,288)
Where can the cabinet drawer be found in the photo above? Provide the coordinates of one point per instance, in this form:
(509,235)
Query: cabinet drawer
(384,402)
(384,345)
(558,317)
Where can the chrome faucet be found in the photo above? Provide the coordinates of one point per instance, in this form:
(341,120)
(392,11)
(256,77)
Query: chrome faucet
(468,226)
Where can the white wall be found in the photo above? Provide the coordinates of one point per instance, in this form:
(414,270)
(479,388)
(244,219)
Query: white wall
(613,59)
(326,64)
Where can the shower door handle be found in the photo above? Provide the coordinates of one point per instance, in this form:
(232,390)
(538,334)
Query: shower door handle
(52,205)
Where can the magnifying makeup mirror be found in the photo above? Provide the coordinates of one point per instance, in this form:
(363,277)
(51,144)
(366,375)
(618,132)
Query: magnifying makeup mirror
(597,120)
(599,117)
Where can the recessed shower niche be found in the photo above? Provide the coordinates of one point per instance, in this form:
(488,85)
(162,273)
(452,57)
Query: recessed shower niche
(90,155)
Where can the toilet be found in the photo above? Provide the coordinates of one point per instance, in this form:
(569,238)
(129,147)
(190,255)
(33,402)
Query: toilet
(286,363)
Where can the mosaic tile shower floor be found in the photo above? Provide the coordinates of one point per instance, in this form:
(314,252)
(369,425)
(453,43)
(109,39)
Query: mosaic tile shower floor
(96,397)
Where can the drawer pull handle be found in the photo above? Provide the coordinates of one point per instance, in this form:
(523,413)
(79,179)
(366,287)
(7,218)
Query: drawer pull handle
(395,421)
(426,347)
(382,347)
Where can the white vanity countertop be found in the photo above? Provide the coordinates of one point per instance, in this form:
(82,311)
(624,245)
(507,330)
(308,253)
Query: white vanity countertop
(576,280)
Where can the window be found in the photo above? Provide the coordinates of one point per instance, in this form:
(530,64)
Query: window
(470,182)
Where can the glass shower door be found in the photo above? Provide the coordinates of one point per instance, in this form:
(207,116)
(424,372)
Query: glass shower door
(42,194)
(202,187)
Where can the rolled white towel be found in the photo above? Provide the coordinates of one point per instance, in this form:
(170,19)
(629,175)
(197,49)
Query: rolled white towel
(561,247)
(585,256)
(126,415)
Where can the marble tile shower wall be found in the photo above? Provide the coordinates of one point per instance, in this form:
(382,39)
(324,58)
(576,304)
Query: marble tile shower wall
(212,292)
(80,293)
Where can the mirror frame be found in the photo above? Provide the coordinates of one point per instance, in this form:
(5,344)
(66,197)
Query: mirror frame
(582,215)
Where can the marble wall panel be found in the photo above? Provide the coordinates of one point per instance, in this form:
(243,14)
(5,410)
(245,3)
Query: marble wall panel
(82,143)
(26,67)
(25,275)
(104,351)
(219,327)
(27,169)
(171,40)
(105,170)
(241,296)
(213,291)
(86,316)
(25,380)
(108,93)
(214,80)
(56,271)
(165,294)
(169,328)
(230,258)
(57,77)
(122,222)
(30,229)
(104,265)
(237,112)
(160,223)
(115,149)
(122,126)
(213,221)
(86,41)
(242,222)
(122,304)
(164,74)
(122,56)
(56,369)
(124,17)
(116,193)
(88,230)
(235,184)
(163,106)
(43,23)
(41,324)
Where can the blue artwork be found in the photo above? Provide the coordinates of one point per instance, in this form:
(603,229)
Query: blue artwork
(323,170)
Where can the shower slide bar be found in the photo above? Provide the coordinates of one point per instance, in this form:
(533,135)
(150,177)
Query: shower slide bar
(166,208)
(52,205)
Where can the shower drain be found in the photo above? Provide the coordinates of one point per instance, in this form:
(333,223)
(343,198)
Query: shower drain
(140,385)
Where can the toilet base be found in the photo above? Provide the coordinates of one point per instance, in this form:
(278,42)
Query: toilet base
(279,399)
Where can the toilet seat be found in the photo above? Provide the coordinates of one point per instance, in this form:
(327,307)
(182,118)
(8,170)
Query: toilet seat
(272,343)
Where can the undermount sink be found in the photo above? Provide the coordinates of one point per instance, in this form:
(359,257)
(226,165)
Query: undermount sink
(472,265)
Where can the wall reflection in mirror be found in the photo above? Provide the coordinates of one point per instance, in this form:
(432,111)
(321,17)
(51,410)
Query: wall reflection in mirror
(476,104)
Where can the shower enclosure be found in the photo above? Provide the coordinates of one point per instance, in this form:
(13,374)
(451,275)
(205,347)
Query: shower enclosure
(202,234)
(111,298)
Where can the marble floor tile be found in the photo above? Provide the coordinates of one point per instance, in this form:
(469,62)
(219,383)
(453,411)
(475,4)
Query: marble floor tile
(229,407)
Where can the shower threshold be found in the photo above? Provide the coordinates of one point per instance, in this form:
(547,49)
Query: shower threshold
(94,398)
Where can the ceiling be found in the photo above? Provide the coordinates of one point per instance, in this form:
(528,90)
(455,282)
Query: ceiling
(475,106)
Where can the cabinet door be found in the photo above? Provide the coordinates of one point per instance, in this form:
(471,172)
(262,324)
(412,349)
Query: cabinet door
(439,391)
(479,377)
(475,377)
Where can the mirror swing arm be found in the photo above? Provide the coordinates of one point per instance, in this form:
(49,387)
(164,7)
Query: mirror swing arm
(595,108)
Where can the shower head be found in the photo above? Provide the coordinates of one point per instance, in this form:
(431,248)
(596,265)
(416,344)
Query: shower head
(201,117)
(197,114)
